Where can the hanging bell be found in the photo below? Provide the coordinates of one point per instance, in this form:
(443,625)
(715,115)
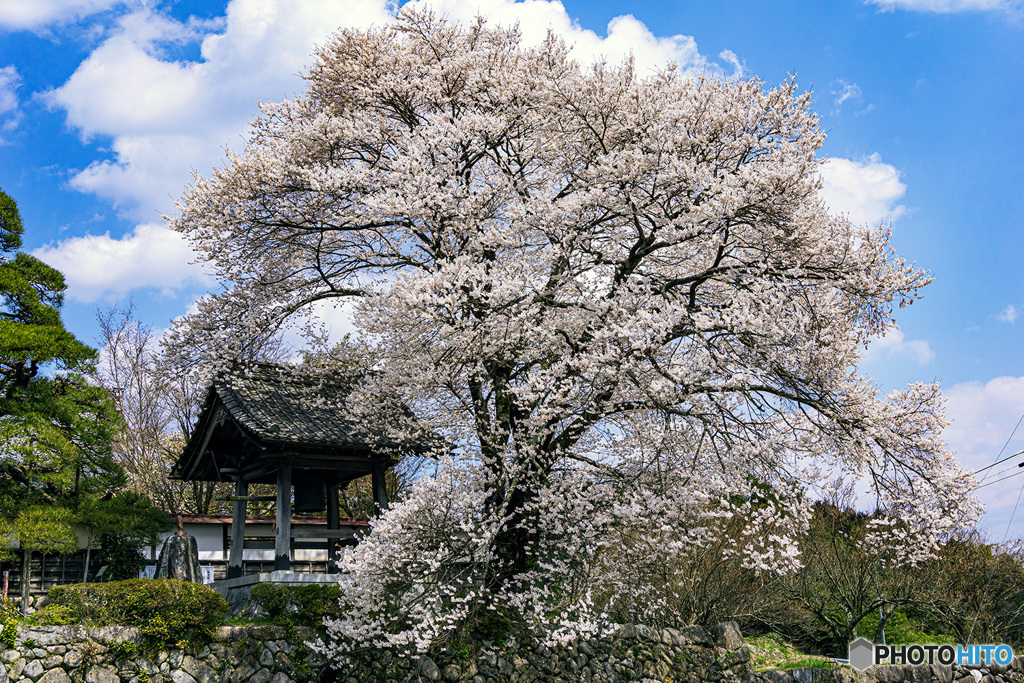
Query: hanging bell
(310,491)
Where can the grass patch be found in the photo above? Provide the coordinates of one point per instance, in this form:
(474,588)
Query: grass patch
(771,653)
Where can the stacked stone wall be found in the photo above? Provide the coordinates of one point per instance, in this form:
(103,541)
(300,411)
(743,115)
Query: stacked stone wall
(116,654)
(267,654)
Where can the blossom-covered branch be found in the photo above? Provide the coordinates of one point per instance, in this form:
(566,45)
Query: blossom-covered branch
(619,298)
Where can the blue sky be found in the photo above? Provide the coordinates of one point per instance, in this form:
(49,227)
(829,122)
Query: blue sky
(107,106)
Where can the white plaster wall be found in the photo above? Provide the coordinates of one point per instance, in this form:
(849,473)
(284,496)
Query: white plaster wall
(209,540)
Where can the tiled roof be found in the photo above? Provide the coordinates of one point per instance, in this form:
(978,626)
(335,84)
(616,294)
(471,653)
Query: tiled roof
(274,410)
(279,404)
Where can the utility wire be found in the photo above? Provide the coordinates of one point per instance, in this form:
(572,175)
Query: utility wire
(1008,440)
(993,570)
(1009,457)
(1001,473)
(1006,533)
(996,481)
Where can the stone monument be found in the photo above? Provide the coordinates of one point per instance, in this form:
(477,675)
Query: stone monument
(179,558)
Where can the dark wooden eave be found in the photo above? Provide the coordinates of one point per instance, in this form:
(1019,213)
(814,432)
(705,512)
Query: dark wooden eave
(260,414)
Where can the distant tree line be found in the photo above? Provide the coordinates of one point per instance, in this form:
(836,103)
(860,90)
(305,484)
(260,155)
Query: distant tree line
(969,591)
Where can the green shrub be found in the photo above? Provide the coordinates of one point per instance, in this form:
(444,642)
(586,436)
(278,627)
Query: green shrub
(124,649)
(899,630)
(291,606)
(79,603)
(54,615)
(166,611)
(9,617)
(270,599)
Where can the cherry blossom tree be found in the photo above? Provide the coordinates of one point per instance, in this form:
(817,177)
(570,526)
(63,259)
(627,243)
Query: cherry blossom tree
(617,297)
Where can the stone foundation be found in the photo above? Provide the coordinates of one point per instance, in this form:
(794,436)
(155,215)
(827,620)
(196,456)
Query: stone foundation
(72,654)
(267,654)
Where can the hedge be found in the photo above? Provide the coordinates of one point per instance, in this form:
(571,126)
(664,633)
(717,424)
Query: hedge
(167,612)
(290,606)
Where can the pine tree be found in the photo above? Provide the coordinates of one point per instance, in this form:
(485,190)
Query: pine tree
(56,427)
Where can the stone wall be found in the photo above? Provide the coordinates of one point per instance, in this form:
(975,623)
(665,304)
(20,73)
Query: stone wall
(114,654)
(266,654)
(908,673)
(634,653)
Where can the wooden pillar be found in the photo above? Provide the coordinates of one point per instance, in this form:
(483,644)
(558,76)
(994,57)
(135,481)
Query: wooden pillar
(380,489)
(26,577)
(332,523)
(283,541)
(238,530)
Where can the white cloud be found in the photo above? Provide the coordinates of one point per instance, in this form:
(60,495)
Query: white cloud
(9,82)
(844,91)
(1009,314)
(10,115)
(946,6)
(895,343)
(322,323)
(739,69)
(866,190)
(626,35)
(167,117)
(982,418)
(125,88)
(150,171)
(98,266)
(31,14)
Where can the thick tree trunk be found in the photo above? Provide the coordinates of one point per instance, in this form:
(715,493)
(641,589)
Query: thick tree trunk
(514,551)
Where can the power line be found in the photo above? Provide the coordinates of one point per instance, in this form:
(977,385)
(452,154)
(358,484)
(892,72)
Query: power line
(1006,533)
(996,481)
(993,570)
(1004,471)
(1009,457)
(1008,440)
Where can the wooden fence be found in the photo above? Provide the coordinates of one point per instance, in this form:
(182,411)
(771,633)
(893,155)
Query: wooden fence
(55,570)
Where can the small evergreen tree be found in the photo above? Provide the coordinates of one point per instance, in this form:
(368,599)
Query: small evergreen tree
(124,524)
(56,428)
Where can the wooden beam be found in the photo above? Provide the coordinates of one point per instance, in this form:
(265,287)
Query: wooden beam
(340,463)
(297,544)
(237,530)
(259,469)
(215,421)
(322,532)
(282,547)
(333,513)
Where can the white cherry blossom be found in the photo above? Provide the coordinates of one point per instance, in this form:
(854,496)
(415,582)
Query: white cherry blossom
(618,300)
